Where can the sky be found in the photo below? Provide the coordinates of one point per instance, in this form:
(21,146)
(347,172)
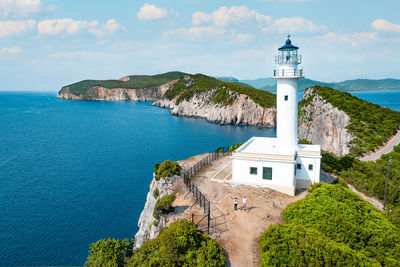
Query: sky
(47,44)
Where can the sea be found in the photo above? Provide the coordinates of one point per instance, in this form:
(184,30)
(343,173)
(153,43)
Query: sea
(74,172)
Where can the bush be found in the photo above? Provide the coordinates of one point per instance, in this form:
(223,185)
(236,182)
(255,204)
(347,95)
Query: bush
(164,205)
(166,169)
(295,245)
(234,147)
(110,252)
(156,193)
(179,244)
(346,218)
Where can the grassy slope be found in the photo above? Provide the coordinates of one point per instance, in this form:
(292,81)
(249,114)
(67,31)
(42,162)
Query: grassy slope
(136,81)
(370,123)
(341,216)
(222,96)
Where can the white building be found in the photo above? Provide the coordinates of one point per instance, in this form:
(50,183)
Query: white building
(280,163)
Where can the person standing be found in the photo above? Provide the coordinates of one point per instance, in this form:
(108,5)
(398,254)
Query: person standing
(244,203)
(235,203)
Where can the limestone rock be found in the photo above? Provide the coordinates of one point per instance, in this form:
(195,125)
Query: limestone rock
(243,110)
(147,230)
(321,123)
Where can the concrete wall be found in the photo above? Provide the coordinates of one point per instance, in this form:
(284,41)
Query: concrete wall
(282,174)
(304,176)
(287,113)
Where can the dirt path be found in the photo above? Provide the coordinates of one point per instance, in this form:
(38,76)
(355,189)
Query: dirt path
(388,147)
(243,228)
(376,203)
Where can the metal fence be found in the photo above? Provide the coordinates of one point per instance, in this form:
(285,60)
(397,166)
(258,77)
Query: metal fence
(200,198)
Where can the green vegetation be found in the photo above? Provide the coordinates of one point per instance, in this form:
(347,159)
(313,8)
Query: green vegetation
(179,244)
(156,193)
(164,204)
(225,93)
(371,124)
(134,82)
(234,147)
(110,252)
(295,245)
(166,169)
(331,226)
(370,177)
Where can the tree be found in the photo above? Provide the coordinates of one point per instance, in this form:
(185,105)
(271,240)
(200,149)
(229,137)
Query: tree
(110,252)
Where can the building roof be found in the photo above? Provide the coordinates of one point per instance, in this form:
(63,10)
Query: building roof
(288,45)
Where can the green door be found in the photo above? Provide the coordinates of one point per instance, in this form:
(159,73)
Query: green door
(267,173)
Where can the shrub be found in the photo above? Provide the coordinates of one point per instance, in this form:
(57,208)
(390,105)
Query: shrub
(234,147)
(346,218)
(110,252)
(166,169)
(156,193)
(295,245)
(164,205)
(179,244)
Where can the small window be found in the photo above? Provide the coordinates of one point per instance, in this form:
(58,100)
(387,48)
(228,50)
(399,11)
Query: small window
(310,167)
(267,173)
(286,97)
(253,170)
(299,166)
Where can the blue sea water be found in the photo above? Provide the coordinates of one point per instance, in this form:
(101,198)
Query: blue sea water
(74,172)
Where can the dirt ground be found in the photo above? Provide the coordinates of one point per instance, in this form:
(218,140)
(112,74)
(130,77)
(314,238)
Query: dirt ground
(237,231)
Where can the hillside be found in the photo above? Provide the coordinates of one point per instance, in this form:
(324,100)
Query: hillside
(269,84)
(332,226)
(343,123)
(221,102)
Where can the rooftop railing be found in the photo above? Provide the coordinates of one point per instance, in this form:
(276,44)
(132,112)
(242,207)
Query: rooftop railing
(287,73)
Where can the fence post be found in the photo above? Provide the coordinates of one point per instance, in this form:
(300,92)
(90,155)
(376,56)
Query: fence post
(192,218)
(208,218)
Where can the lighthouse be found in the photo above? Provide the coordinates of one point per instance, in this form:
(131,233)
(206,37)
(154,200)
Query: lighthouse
(287,75)
(280,163)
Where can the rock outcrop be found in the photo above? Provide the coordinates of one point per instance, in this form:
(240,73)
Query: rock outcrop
(118,94)
(323,124)
(149,227)
(242,111)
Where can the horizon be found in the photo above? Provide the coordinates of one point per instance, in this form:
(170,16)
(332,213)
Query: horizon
(50,44)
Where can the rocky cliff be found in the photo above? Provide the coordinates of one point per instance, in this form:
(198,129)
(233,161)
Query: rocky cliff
(240,109)
(149,227)
(323,124)
(118,94)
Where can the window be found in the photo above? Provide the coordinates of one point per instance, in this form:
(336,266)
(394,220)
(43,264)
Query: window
(299,166)
(310,167)
(253,170)
(267,173)
(286,97)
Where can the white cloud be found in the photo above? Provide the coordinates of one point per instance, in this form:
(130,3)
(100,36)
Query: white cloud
(10,51)
(60,26)
(226,16)
(385,26)
(14,27)
(106,29)
(295,24)
(354,39)
(70,26)
(151,12)
(23,8)
(242,38)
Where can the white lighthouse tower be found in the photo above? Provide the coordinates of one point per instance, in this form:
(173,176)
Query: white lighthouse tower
(287,75)
(280,163)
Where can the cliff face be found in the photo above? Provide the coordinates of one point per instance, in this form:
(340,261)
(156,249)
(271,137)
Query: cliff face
(243,110)
(147,229)
(118,94)
(321,123)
